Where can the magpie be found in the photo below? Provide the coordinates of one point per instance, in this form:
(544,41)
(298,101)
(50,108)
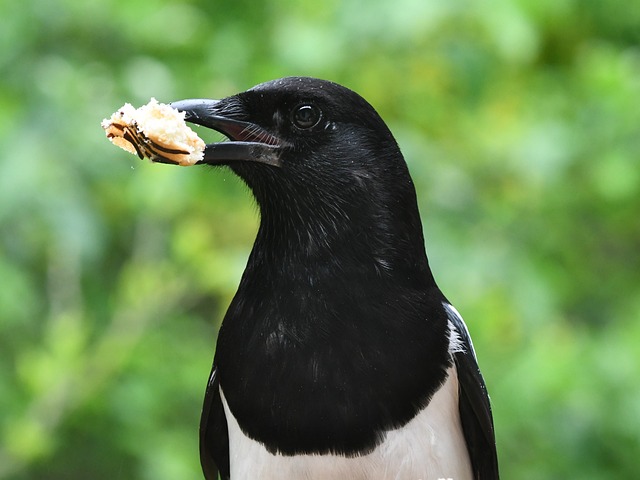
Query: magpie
(339,357)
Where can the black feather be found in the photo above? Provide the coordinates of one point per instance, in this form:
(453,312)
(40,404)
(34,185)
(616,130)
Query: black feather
(214,436)
(475,406)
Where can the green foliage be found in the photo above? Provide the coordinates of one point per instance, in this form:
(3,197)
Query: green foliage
(520,121)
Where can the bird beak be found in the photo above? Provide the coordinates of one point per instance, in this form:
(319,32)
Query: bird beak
(247,141)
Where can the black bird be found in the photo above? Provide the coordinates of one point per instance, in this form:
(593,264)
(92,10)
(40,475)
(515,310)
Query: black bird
(339,356)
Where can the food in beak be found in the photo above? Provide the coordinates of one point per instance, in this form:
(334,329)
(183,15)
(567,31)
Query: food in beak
(156,131)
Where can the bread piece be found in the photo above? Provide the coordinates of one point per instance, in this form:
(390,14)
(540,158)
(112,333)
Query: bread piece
(155,131)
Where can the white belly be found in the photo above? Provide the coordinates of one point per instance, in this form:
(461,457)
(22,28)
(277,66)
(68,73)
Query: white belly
(430,447)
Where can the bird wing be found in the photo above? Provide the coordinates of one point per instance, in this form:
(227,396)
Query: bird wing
(474,404)
(214,436)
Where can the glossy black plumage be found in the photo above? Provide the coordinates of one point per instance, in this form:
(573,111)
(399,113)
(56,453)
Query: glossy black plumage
(338,331)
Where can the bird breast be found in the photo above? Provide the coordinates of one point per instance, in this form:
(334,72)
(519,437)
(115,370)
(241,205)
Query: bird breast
(430,446)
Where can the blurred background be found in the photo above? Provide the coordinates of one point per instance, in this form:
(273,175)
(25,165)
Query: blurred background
(520,122)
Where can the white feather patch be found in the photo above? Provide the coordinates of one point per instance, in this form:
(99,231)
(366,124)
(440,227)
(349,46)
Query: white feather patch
(456,345)
(455,341)
(429,447)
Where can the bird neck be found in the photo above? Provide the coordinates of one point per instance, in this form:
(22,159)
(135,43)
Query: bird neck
(356,235)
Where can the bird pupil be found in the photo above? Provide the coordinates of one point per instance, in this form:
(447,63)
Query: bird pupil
(306,116)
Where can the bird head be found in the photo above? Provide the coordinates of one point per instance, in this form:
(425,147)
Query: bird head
(323,167)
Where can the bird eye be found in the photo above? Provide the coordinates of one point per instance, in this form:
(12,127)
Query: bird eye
(305,116)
